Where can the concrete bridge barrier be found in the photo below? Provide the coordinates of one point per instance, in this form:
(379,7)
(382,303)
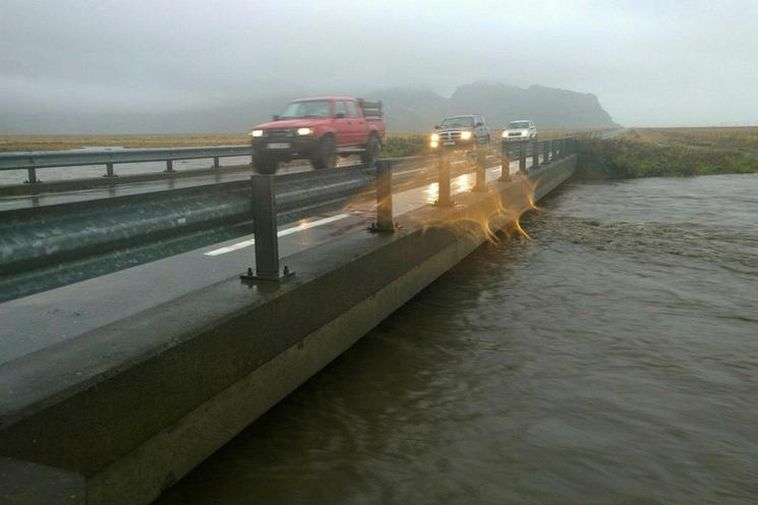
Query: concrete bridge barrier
(135,405)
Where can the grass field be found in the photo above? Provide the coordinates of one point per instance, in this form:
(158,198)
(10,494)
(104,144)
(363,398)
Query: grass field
(650,152)
(64,142)
(729,138)
(397,144)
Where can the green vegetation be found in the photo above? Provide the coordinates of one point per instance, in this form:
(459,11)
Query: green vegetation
(401,145)
(671,152)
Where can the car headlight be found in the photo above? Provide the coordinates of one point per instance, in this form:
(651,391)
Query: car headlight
(524,133)
(435,137)
(465,135)
(256,133)
(504,134)
(305,131)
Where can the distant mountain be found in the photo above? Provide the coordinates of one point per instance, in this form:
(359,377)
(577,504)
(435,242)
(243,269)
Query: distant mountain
(416,110)
(406,110)
(411,110)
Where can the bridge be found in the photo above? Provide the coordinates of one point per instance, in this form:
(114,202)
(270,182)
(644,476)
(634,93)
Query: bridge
(149,319)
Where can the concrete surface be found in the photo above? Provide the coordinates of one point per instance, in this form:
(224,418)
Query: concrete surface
(24,483)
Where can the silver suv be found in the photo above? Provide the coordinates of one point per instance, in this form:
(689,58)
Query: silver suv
(519,131)
(460,132)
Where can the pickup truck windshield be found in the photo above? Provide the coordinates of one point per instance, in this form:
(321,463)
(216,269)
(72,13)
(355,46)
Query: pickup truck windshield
(518,125)
(316,108)
(458,122)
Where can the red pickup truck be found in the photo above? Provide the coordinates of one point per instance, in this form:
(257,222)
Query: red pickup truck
(319,129)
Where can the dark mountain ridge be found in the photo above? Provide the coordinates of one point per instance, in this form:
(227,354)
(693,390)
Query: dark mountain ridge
(413,110)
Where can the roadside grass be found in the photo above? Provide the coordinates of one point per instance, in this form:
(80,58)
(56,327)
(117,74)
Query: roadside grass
(729,138)
(656,152)
(64,142)
(396,145)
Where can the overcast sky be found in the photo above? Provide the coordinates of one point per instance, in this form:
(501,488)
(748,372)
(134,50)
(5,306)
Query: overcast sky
(685,62)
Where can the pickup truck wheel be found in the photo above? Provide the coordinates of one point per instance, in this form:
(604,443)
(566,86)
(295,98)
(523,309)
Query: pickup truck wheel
(326,154)
(264,164)
(370,155)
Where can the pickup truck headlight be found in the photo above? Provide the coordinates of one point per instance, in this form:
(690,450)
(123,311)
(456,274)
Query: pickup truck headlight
(435,137)
(505,134)
(256,133)
(305,131)
(465,135)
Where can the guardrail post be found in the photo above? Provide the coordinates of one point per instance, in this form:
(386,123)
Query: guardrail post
(481,167)
(443,190)
(31,174)
(535,154)
(522,159)
(505,163)
(265,232)
(169,166)
(546,152)
(216,164)
(109,170)
(384,217)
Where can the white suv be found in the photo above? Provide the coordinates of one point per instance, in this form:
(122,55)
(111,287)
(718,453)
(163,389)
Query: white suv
(519,131)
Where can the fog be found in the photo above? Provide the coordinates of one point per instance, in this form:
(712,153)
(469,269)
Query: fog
(651,63)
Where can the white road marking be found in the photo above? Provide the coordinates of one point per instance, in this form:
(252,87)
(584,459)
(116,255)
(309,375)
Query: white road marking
(328,186)
(281,233)
(409,171)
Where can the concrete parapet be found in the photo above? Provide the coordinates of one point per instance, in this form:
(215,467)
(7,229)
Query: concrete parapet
(24,483)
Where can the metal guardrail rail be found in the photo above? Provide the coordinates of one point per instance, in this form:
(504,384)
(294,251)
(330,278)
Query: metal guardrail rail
(33,237)
(33,161)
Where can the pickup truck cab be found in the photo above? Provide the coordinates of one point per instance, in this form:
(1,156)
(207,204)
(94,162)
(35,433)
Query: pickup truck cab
(519,131)
(319,129)
(460,132)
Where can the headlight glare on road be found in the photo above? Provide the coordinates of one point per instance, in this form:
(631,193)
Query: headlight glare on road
(305,131)
(433,144)
(435,137)
(256,133)
(465,135)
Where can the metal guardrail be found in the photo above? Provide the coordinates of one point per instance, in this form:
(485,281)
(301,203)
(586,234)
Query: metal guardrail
(171,212)
(33,161)
(267,266)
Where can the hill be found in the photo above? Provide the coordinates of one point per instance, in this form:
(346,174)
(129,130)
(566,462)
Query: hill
(417,110)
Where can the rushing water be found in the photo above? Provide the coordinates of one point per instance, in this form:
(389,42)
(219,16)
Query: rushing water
(611,359)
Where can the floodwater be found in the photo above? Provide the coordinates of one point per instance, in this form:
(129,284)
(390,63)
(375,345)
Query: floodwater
(611,359)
